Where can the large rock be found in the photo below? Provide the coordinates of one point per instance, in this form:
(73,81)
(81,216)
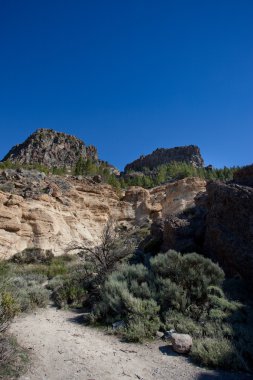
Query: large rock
(181,343)
(52,149)
(179,234)
(189,154)
(180,225)
(229,228)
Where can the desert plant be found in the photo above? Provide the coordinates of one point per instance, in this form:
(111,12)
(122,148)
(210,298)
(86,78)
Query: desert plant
(8,309)
(103,259)
(13,359)
(33,256)
(217,353)
(68,293)
(182,281)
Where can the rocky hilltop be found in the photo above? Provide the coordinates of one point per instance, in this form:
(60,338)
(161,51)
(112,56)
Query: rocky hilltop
(189,154)
(51,149)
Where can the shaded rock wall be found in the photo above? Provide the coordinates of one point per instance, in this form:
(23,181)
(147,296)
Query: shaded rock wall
(229,228)
(220,225)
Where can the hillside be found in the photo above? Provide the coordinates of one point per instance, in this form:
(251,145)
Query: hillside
(172,261)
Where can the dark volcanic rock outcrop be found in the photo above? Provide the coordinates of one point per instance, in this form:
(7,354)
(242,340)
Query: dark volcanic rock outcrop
(219,226)
(229,228)
(185,231)
(52,149)
(189,154)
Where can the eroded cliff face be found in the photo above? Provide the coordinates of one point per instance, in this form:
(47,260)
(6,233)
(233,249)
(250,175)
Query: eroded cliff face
(50,212)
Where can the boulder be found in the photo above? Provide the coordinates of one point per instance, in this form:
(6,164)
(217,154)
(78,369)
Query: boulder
(181,343)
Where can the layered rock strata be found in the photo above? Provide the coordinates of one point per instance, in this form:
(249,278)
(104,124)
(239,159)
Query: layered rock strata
(50,212)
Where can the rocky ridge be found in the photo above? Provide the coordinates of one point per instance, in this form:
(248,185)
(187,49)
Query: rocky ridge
(189,154)
(50,212)
(51,149)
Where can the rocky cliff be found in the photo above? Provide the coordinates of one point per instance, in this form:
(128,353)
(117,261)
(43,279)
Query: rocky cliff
(219,225)
(189,154)
(50,212)
(51,149)
(229,228)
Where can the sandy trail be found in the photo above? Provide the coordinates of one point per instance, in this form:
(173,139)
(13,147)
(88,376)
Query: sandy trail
(63,349)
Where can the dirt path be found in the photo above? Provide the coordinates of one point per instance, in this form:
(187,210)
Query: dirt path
(63,349)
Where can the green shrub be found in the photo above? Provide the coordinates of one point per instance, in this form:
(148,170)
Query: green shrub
(39,297)
(13,359)
(56,269)
(28,294)
(184,282)
(217,353)
(67,292)
(126,296)
(33,256)
(174,320)
(142,321)
(8,309)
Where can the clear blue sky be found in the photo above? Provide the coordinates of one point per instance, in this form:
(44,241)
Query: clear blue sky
(130,76)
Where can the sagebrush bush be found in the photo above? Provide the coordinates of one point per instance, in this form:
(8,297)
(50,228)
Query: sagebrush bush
(27,292)
(67,291)
(217,353)
(8,309)
(32,256)
(183,280)
(174,320)
(13,359)
(166,285)
(180,292)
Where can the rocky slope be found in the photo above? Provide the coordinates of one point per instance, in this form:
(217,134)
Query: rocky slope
(189,154)
(50,212)
(51,149)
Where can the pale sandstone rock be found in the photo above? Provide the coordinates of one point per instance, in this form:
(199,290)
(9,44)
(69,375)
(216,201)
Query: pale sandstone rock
(54,221)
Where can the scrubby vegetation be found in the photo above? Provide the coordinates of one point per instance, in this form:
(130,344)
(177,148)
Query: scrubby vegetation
(180,292)
(176,170)
(186,293)
(25,284)
(15,165)
(150,178)
(13,359)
